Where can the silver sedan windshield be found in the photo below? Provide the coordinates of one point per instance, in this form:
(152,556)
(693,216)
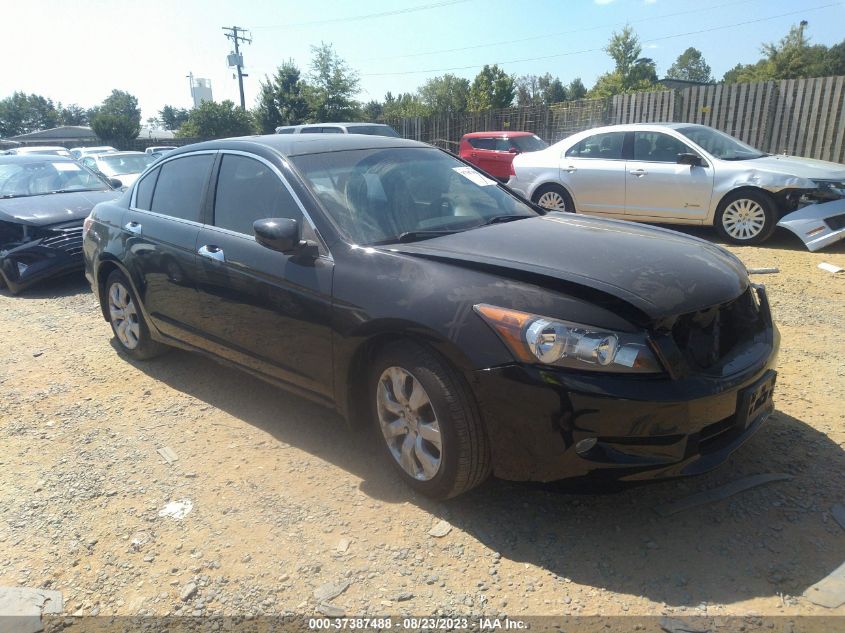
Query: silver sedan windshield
(719,144)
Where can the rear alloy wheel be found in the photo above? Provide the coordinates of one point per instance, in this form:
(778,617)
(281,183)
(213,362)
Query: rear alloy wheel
(746,218)
(428,423)
(127,322)
(554,198)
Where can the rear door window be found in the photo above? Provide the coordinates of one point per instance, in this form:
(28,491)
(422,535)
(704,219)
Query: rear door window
(607,146)
(180,187)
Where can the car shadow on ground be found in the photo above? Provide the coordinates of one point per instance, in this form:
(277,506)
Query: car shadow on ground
(55,287)
(763,542)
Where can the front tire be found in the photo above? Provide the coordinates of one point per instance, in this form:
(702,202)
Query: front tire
(127,322)
(746,217)
(428,424)
(553,198)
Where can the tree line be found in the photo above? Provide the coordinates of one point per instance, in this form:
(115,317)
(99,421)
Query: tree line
(327,91)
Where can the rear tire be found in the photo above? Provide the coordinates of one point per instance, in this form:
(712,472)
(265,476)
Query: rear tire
(127,322)
(427,422)
(553,198)
(746,217)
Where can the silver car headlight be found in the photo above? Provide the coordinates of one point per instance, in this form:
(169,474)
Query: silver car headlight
(538,339)
(836,187)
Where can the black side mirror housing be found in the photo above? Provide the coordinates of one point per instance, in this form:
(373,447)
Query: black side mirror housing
(283,235)
(114,182)
(694,160)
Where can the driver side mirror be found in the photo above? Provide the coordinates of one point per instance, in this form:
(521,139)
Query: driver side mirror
(283,235)
(513,150)
(693,160)
(115,183)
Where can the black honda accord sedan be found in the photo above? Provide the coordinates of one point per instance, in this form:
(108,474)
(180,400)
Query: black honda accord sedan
(472,332)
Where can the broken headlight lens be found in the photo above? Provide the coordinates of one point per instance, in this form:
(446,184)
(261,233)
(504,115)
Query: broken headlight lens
(534,338)
(831,188)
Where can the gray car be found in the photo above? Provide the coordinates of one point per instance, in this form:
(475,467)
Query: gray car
(678,173)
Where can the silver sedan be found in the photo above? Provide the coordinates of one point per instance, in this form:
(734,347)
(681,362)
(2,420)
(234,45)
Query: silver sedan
(675,173)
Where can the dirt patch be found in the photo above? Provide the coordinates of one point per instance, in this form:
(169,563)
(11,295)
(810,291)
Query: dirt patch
(287,501)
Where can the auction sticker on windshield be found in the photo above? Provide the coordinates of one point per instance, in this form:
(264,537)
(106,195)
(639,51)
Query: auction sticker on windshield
(470,174)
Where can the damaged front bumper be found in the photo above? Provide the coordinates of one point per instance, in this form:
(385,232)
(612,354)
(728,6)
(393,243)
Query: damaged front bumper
(817,225)
(48,252)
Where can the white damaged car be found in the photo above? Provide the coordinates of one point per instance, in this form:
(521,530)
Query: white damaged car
(680,173)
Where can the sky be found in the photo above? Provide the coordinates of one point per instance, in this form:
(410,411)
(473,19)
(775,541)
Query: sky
(77,51)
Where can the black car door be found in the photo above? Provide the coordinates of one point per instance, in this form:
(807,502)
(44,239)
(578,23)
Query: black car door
(162,225)
(262,308)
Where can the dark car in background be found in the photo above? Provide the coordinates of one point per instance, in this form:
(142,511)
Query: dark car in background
(494,151)
(43,202)
(419,298)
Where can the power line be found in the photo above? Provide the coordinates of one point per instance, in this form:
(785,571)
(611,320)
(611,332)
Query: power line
(594,50)
(547,35)
(232,33)
(358,18)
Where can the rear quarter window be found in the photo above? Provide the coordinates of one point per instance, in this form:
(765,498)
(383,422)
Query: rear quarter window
(144,191)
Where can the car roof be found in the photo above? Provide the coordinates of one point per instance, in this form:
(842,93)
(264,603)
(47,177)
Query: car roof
(34,158)
(297,145)
(110,154)
(498,134)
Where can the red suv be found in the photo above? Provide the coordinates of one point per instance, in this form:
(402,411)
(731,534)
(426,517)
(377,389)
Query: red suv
(494,151)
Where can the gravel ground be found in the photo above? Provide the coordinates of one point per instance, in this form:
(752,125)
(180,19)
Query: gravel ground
(292,510)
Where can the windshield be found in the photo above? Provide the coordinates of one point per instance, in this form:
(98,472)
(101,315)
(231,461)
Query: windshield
(719,144)
(384,195)
(373,130)
(528,143)
(35,179)
(117,165)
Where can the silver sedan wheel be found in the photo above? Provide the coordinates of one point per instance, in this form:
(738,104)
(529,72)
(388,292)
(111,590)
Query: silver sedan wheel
(743,219)
(552,200)
(409,424)
(124,316)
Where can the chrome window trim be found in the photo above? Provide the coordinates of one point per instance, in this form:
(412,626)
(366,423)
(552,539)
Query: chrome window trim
(327,255)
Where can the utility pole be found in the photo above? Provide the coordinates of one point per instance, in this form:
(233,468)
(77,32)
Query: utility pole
(190,78)
(235,33)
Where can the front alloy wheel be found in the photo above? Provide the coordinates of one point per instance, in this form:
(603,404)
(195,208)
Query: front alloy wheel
(429,426)
(746,217)
(409,424)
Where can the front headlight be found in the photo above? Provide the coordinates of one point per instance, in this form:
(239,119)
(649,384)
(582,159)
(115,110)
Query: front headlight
(533,338)
(831,187)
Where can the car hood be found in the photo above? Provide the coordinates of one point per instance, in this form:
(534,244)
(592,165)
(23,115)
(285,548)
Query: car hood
(52,208)
(659,272)
(797,166)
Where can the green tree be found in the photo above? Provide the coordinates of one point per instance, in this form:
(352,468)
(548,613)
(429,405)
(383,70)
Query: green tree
(528,91)
(22,113)
(447,94)
(552,89)
(332,86)
(216,120)
(405,104)
(372,111)
(690,66)
(115,129)
(72,115)
(576,89)
(172,118)
(282,99)
(492,88)
(118,119)
(631,72)
(835,60)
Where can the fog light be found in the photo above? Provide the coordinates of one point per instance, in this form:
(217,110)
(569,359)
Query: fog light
(585,446)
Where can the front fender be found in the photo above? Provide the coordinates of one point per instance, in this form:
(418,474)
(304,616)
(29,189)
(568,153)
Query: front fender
(817,225)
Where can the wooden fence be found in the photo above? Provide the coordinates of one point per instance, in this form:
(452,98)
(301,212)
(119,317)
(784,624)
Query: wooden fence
(804,117)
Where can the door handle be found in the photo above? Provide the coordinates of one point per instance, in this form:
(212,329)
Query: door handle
(473,154)
(133,227)
(638,172)
(212,252)
(571,169)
